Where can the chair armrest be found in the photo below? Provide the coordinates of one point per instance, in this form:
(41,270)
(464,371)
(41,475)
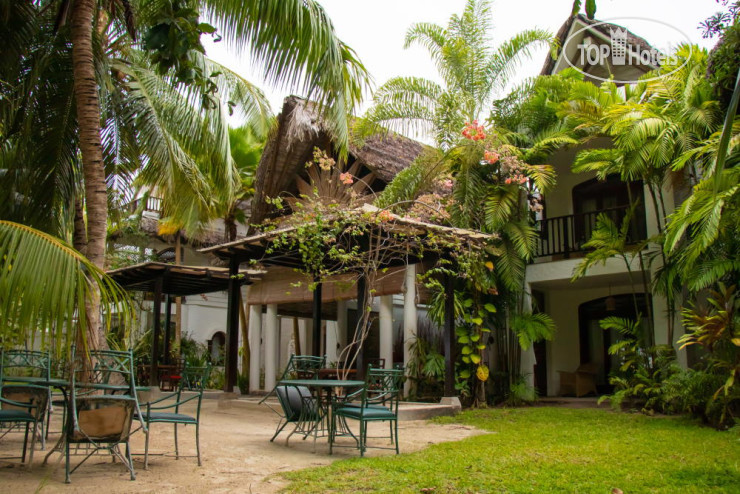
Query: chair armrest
(163,398)
(169,405)
(21,404)
(349,397)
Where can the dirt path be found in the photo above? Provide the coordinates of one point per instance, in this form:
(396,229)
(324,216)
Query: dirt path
(237,457)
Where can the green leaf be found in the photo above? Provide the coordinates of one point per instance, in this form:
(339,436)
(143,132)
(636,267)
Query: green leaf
(475,358)
(466,359)
(477,321)
(204,27)
(590,8)
(467,350)
(490,308)
(465,374)
(463,339)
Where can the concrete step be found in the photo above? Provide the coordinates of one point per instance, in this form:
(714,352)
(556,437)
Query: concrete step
(407,410)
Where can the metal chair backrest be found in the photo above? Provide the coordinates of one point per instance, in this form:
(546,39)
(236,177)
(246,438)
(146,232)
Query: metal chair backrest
(110,370)
(291,400)
(101,418)
(27,397)
(382,387)
(25,363)
(303,367)
(194,378)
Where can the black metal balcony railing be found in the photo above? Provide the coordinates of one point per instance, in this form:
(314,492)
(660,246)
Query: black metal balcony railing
(563,235)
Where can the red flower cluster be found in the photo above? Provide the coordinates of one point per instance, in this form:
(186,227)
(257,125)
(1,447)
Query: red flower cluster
(516,179)
(385,216)
(491,157)
(346,178)
(474,131)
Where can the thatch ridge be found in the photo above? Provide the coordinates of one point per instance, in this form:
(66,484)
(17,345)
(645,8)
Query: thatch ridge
(300,128)
(603,28)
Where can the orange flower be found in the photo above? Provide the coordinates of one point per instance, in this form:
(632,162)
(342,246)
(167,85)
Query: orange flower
(385,216)
(346,178)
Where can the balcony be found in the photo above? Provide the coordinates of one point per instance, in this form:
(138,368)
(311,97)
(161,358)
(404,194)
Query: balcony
(153,205)
(564,235)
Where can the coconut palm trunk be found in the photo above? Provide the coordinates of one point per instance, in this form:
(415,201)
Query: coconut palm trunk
(91,148)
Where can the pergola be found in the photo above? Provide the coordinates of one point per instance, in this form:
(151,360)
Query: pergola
(174,281)
(260,248)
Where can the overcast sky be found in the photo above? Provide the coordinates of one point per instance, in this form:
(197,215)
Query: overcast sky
(375,29)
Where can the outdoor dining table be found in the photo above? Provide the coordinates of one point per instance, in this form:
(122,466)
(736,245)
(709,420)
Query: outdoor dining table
(323,389)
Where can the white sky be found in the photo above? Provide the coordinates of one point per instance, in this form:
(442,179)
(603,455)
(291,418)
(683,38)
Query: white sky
(375,29)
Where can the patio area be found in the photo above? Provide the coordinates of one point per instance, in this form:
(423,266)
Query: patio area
(236,448)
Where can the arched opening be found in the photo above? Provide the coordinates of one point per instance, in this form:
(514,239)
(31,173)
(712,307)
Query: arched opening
(217,348)
(595,342)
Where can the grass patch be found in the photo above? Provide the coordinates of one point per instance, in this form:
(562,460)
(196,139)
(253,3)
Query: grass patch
(548,450)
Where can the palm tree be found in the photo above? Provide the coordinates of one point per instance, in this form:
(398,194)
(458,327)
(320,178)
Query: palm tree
(125,111)
(471,70)
(246,150)
(652,127)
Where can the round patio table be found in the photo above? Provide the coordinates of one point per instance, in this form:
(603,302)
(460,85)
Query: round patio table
(323,398)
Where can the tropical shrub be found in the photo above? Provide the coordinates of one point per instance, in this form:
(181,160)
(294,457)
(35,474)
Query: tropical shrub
(715,327)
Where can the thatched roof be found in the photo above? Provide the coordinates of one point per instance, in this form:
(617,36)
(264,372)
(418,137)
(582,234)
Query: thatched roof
(595,25)
(299,130)
(206,237)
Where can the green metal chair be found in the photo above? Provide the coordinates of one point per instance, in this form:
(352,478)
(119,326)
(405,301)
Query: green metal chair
(166,410)
(299,407)
(24,405)
(103,404)
(20,365)
(378,403)
(299,367)
(195,378)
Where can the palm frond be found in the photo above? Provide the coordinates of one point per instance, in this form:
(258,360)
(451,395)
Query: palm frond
(295,44)
(509,56)
(44,285)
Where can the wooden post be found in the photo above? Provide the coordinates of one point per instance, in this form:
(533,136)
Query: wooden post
(316,343)
(360,327)
(409,320)
(449,335)
(167,330)
(232,326)
(153,370)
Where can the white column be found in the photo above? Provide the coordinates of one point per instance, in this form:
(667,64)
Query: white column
(528,360)
(255,346)
(341,325)
(386,330)
(271,336)
(409,319)
(307,337)
(331,342)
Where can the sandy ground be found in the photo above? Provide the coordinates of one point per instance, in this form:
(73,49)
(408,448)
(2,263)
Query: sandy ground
(236,449)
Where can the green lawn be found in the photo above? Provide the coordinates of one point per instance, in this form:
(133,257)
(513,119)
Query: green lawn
(549,450)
